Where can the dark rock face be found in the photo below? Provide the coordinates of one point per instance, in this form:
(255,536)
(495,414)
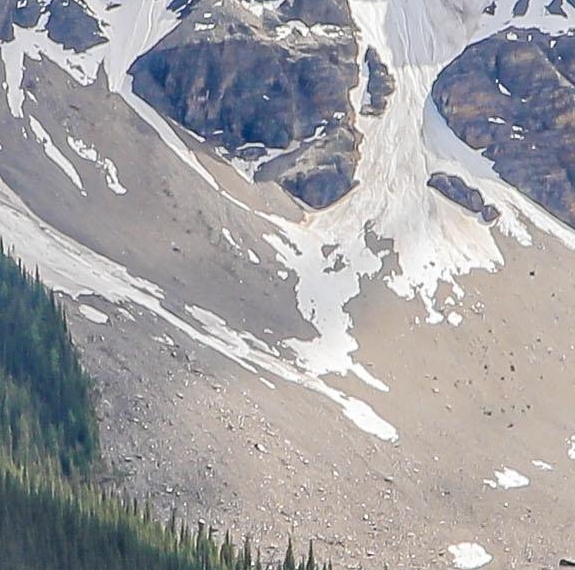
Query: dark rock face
(6,20)
(513,95)
(521,7)
(286,100)
(556,7)
(239,80)
(490,9)
(456,190)
(25,16)
(319,174)
(379,86)
(183,7)
(312,12)
(71,25)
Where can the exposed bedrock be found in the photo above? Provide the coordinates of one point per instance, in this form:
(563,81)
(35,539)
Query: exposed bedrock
(554,7)
(249,84)
(312,12)
(513,96)
(380,84)
(254,93)
(319,172)
(458,191)
(334,12)
(14,12)
(69,23)
(182,7)
(520,8)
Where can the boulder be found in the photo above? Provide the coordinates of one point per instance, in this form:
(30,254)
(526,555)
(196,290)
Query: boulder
(458,191)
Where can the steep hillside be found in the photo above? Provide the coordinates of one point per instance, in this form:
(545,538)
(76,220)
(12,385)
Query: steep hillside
(312,259)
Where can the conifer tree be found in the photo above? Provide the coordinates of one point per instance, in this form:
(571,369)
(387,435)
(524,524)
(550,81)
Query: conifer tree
(247,554)
(310,565)
(289,560)
(258,560)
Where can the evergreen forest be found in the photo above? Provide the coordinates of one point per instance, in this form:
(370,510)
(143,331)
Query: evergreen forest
(53,514)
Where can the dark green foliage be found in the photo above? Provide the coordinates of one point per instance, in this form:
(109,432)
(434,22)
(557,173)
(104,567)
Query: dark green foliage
(51,516)
(44,394)
(289,560)
(310,564)
(52,526)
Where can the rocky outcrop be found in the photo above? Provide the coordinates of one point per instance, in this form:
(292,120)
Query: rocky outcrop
(520,8)
(320,173)
(380,84)
(334,12)
(69,24)
(513,95)
(555,7)
(182,7)
(490,9)
(248,84)
(455,189)
(13,12)
(72,26)
(252,94)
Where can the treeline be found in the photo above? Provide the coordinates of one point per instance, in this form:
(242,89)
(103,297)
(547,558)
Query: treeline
(49,525)
(45,408)
(52,515)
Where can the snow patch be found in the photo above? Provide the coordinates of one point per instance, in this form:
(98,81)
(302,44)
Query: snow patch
(53,152)
(82,149)
(490,483)
(165,339)
(454,319)
(469,555)
(510,479)
(230,238)
(203,27)
(502,88)
(285,30)
(267,383)
(126,314)
(571,450)
(248,168)
(253,257)
(542,465)
(112,178)
(106,164)
(93,314)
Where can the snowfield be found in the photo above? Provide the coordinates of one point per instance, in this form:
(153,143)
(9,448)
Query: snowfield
(435,240)
(326,256)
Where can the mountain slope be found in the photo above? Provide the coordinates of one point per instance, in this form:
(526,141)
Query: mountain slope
(127,212)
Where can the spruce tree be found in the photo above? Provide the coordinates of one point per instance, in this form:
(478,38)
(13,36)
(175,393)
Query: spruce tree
(310,565)
(289,560)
